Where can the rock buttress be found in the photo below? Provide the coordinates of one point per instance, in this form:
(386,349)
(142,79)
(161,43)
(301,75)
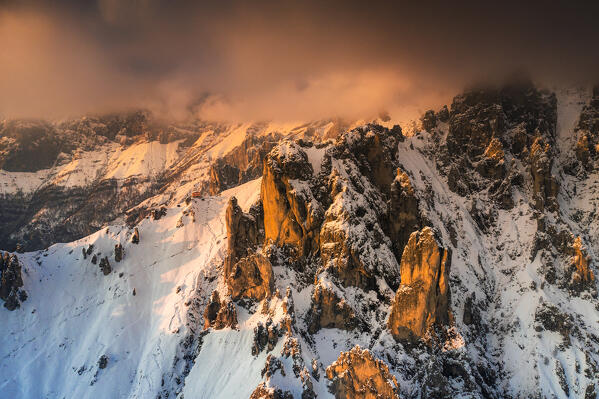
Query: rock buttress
(329,311)
(422,299)
(291,214)
(219,314)
(358,375)
(248,273)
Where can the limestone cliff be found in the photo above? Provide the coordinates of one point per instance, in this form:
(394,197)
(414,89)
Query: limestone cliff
(422,299)
(292,215)
(247,273)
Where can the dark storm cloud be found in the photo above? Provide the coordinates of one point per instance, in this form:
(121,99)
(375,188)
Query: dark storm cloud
(283,60)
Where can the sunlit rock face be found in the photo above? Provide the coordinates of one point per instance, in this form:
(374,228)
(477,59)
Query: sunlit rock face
(292,216)
(582,276)
(376,239)
(358,375)
(422,299)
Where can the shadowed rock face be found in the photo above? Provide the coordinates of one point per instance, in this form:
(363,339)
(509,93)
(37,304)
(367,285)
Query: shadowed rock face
(329,311)
(484,125)
(11,281)
(545,186)
(404,216)
(241,165)
(219,314)
(358,375)
(587,147)
(247,273)
(422,299)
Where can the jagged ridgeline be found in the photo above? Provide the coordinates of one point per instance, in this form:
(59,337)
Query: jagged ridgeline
(328,261)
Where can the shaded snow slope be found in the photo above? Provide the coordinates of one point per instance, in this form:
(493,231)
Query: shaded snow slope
(74,314)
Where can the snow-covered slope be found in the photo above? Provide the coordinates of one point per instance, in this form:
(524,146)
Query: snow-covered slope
(137,316)
(314,260)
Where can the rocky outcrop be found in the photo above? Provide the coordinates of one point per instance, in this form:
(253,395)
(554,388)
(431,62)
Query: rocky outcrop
(354,247)
(292,216)
(358,375)
(243,233)
(11,281)
(329,311)
(135,236)
(429,120)
(582,276)
(264,392)
(265,337)
(248,273)
(422,299)
(241,165)
(487,123)
(105,266)
(251,277)
(118,252)
(219,314)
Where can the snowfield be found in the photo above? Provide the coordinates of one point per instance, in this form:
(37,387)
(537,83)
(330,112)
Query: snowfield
(74,314)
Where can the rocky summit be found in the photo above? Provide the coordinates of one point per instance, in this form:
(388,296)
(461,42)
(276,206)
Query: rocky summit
(329,259)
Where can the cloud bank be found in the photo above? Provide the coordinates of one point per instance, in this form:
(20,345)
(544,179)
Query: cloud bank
(279,60)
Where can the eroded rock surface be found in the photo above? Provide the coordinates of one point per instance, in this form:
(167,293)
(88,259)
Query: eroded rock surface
(422,299)
(11,281)
(329,311)
(247,272)
(292,215)
(219,314)
(358,375)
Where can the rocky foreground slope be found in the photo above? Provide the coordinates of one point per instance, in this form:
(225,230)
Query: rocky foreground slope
(458,262)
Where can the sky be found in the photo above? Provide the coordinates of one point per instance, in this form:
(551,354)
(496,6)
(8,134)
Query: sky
(283,60)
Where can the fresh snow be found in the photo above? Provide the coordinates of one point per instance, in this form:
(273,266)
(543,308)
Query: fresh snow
(50,346)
